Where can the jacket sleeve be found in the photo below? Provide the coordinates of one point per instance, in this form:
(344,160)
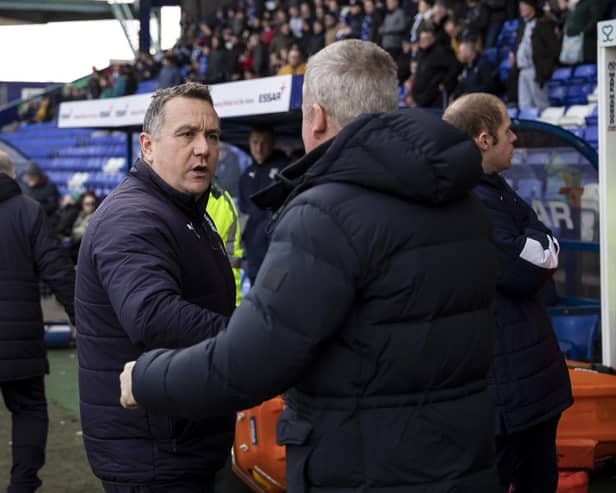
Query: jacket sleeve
(525,255)
(301,296)
(139,269)
(53,264)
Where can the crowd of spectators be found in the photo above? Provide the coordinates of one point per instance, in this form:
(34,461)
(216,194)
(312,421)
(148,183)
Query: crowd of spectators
(438,45)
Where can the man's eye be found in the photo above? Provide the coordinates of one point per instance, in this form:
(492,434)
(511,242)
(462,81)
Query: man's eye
(214,137)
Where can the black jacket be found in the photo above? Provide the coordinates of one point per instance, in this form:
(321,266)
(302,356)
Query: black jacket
(152,273)
(27,253)
(255,235)
(372,304)
(529,378)
(436,65)
(545,43)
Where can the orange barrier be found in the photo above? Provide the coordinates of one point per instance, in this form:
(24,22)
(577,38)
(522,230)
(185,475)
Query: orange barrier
(257,459)
(572,482)
(587,430)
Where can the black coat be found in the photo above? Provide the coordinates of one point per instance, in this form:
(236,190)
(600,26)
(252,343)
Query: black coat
(370,310)
(435,66)
(46,193)
(545,42)
(151,273)
(27,253)
(529,377)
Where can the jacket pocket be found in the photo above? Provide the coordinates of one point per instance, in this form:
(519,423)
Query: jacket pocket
(294,432)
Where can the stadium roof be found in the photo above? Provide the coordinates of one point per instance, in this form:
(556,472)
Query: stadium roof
(42,11)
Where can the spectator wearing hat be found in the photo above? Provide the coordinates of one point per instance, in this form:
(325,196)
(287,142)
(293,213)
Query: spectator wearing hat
(39,187)
(536,54)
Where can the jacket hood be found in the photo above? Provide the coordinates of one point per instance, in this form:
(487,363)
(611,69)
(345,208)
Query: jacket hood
(411,154)
(8,187)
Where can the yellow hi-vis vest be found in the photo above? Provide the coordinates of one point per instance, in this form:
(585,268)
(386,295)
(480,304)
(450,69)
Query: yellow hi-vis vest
(222,210)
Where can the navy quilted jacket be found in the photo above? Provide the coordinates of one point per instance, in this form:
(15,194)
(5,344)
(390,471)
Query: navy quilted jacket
(27,253)
(529,377)
(152,273)
(371,311)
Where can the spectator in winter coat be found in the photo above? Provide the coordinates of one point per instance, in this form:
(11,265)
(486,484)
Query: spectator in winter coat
(360,312)
(393,28)
(477,74)
(536,55)
(39,187)
(437,72)
(529,378)
(153,273)
(27,254)
(582,18)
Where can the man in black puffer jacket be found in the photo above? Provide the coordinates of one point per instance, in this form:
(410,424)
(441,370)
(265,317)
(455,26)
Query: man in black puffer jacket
(27,253)
(152,273)
(529,377)
(371,307)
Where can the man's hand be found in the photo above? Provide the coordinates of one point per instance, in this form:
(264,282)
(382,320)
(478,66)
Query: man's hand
(126,384)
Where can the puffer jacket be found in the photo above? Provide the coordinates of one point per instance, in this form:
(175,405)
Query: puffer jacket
(152,272)
(371,313)
(27,253)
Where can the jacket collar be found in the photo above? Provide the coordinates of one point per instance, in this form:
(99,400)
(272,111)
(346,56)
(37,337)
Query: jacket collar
(184,201)
(495,180)
(290,181)
(8,187)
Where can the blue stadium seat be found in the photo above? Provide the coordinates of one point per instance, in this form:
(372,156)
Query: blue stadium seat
(592,119)
(503,68)
(576,335)
(577,94)
(592,136)
(586,73)
(557,95)
(577,131)
(560,77)
(511,26)
(491,55)
(503,52)
(146,86)
(529,114)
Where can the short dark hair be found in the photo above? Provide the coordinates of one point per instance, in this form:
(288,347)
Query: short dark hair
(475,113)
(155,113)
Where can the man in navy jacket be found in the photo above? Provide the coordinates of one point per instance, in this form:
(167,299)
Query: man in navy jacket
(27,253)
(370,309)
(153,273)
(529,377)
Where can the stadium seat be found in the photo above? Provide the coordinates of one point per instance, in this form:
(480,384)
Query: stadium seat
(560,77)
(585,73)
(592,136)
(146,86)
(529,114)
(576,95)
(557,95)
(577,335)
(491,55)
(576,115)
(503,68)
(592,119)
(577,131)
(511,26)
(552,114)
(538,158)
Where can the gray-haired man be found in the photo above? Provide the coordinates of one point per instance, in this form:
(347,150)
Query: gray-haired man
(362,311)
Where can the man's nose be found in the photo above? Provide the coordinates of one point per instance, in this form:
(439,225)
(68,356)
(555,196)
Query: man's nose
(200,147)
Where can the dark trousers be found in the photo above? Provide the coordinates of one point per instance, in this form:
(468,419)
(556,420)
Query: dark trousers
(25,399)
(158,488)
(527,460)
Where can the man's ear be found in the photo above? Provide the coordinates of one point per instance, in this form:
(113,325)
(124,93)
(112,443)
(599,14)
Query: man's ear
(483,141)
(145,140)
(318,124)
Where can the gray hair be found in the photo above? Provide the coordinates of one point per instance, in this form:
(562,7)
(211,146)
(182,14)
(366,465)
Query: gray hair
(6,165)
(155,114)
(351,77)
